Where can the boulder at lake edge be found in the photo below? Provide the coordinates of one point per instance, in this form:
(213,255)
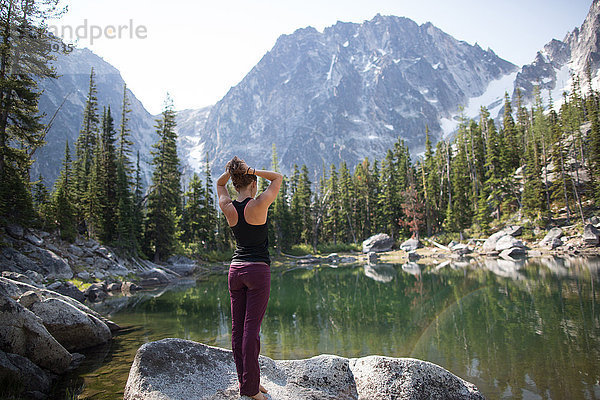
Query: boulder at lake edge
(386,378)
(71,327)
(377,243)
(23,333)
(490,244)
(181,369)
(15,368)
(508,242)
(410,245)
(591,235)
(552,238)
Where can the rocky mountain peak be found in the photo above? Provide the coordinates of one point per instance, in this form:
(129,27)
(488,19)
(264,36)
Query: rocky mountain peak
(347,93)
(585,42)
(554,65)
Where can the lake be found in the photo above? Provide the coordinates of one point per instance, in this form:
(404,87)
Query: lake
(527,330)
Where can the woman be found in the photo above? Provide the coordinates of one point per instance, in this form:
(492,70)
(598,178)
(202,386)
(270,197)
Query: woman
(249,273)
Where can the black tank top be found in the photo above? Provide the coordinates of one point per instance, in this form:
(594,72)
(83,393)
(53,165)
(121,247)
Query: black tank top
(252,241)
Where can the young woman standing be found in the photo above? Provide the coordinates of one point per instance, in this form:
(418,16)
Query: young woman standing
(249,278)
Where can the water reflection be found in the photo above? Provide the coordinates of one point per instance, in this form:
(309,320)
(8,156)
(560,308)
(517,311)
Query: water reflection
(381,273)
(412,268)
(505,268)
(524,329)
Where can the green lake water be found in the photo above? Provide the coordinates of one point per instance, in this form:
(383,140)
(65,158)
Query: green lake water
(528,330)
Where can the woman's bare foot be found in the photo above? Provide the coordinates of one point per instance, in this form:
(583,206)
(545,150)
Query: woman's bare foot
(262,389)
(258,396)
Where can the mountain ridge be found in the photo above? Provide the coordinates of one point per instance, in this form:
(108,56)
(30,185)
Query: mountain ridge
(329,91)
(345,93)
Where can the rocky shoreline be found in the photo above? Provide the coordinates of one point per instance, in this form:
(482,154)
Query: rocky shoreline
(44,260)
(507,244)
(43,319)
(182,369)
(40,334)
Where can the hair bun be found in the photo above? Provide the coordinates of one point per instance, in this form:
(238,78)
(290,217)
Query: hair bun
(235,166)
(238,171)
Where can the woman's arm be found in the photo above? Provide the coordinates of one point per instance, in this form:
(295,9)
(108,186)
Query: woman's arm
(267,197)
(269,175)
(225,202)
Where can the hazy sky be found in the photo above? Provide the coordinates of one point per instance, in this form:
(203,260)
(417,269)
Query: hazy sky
(197,50)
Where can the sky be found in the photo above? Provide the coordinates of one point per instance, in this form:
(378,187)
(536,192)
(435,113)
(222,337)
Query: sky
(197,50)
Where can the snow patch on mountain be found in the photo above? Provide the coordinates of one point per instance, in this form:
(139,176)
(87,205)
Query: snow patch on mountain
(493,97)
(190,144)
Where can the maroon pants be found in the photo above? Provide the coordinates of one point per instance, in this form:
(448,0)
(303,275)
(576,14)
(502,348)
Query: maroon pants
(249,287)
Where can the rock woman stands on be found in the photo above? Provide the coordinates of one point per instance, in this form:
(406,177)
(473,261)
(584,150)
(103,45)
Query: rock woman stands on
(249,278)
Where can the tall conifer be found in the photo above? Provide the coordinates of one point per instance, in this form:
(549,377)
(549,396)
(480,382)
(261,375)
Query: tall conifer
(62,200)
(85,148)
(164,197)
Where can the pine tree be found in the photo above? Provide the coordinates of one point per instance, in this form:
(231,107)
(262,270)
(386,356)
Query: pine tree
(570,116)
(377,217)
(576,115)
(389,195)
(395,170)
(320,200)
(41,201)
(594,138)
(431,186)
(361,179)
(25,55)
(511,153)
(138,207)
(442,161)
(559,189)
(164,197)
(106,188)
(125,237)
(331,226)
(494,175)
(540,132)
(93,197)
(482,215)
(85,149)
(477,152)
(62,203)
(533,199)
(459,212)
(224,237)
(124,152)
(346,200)
(279,214)
(209,220)
(194,212)
(301,207)
(533,195)
(294,209)
(522,123)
